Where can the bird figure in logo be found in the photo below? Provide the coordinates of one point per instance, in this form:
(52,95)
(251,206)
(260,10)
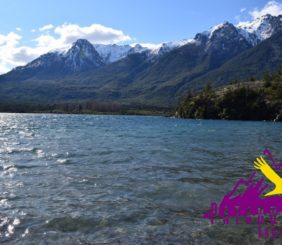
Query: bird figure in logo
(270,174)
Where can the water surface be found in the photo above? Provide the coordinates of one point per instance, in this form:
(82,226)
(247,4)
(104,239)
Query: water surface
(77,179)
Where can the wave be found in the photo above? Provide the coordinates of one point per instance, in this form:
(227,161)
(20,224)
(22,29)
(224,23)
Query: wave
(63,161)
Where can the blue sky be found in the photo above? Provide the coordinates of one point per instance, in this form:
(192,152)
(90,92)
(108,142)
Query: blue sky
(33,27)
(147,20)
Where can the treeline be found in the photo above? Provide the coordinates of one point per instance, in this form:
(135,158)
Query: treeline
(237,102)
(87,107)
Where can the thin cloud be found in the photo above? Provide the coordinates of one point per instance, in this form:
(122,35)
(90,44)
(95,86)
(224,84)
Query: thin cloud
(242,10)
(46,27)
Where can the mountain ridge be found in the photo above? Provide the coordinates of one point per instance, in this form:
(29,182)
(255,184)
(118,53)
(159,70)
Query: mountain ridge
(253,32)
(139,75)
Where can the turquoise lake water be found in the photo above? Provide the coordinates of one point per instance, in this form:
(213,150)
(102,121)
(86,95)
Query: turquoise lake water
(83,179)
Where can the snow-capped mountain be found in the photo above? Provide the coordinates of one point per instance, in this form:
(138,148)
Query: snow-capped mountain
(253,32)
(113,52)
(219,44)
(261,28)
(225,38)
(81,56)
(84,56)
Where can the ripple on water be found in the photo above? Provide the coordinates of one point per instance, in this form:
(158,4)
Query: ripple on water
(39,152)
(8,226)
(9,170)
(26,134)
(14,150)
(63,161)
(4,203)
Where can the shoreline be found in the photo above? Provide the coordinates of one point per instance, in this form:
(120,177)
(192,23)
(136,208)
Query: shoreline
(147,114)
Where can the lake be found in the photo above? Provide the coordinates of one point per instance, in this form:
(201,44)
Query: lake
(86,179)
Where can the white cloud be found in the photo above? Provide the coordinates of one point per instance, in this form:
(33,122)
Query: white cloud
(60,37)
(272,7)
(7,47)
(242,10)
(94,33)
(10,40)
(69,33)
(46,27)
(18,29)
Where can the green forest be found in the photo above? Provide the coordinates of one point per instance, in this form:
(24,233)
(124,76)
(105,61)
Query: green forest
(260,100)
(252,100)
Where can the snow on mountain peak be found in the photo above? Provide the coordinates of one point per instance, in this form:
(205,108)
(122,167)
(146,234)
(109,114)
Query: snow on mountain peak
(82,55)
(218,28)
(168,46)
(138,48)
(215,28)
(263,27)
(112,52)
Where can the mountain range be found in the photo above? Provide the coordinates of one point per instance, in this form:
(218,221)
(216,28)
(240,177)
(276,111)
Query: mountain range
(159,76)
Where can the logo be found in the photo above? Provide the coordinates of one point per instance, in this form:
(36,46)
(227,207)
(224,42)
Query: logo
(253,205)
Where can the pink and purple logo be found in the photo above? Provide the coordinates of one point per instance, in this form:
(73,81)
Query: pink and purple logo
(253,204)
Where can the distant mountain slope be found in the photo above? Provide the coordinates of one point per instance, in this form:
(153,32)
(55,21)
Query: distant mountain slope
(255,62)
